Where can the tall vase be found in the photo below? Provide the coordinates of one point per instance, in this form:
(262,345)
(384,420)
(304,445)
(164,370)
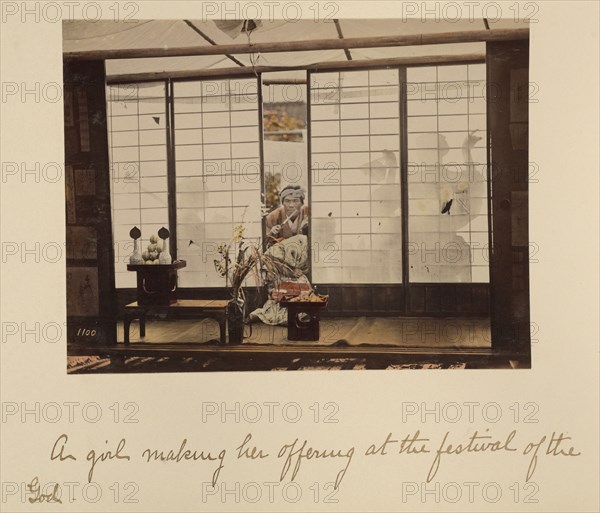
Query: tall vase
(136,257)
(235,322)
(165,256)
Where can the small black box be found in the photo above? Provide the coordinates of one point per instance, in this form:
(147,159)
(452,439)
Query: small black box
(303,320)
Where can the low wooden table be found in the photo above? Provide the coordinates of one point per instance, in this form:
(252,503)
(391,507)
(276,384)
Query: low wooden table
(199,308)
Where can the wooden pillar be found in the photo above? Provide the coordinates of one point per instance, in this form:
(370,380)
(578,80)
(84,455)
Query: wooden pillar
(508,118)
(91,316)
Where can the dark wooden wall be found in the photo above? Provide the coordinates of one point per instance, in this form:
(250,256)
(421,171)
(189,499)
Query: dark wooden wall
(508,119)
(432,299)
(91,309)
(435,299)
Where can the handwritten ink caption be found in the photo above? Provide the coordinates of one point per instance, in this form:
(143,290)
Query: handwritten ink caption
(299,458)
(481,441)
(68,492)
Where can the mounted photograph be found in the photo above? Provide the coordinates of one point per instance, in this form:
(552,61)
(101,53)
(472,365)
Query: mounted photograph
(257,195)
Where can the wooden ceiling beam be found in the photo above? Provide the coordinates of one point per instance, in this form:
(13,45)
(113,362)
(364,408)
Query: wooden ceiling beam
(475,36)
(429,60)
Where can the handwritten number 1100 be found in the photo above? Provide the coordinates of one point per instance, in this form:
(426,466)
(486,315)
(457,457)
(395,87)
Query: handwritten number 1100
(325,413)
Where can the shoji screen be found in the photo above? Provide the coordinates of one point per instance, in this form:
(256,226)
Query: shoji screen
(447,174)
(355,147)
(138,157)
(217,155)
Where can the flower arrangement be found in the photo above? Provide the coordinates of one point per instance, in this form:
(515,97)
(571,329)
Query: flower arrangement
(235,273)
(248,260)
